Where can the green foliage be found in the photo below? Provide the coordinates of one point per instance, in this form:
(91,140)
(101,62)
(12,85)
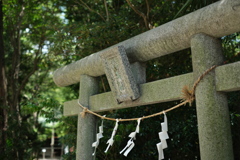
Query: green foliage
(231,47)
(54,33)
(69,135)
(190,5)
(28,32)
(24,138)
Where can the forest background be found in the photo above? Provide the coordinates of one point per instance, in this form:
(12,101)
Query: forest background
(39,36)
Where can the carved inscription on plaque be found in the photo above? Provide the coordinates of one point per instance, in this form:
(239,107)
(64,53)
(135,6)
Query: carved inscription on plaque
(119,74)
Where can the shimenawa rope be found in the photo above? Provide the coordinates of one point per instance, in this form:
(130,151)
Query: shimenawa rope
(188,96)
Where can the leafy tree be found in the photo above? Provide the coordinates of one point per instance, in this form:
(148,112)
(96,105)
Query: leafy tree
(35,38)
(27,28)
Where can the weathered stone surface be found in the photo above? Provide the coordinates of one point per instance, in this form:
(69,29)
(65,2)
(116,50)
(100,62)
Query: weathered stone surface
(212,109)
(219,19)
(86,132)
(154,92)
(228,77)
(119,74)
(139,72)
(71,108)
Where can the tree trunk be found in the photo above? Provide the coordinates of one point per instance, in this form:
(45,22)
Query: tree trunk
(3,88)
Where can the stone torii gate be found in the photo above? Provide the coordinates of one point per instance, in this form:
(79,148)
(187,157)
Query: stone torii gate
(123,65)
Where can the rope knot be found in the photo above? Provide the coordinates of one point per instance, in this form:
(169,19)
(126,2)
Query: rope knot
(188,95)
(84,111)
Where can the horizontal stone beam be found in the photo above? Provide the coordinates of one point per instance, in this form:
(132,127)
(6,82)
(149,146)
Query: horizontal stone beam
(217,20)
(71,108)
(149,94)
(227,79)
(170,89)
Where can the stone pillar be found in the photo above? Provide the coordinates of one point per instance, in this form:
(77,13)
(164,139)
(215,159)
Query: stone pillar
(86,132)
(212,108)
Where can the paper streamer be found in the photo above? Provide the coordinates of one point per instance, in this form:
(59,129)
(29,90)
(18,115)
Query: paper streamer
(130,143)
(110,141)
(99,136)
(160,151)
(163,136)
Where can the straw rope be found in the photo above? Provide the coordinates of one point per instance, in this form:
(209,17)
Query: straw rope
(188,96)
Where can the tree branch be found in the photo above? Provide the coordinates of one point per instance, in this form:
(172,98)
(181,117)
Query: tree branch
(35,64)
(90,9)
(16,56)
(145,18)
(35,67)
(148,8)
(106,8)
(135,9)
(148,11)
(3,86)
(26,79)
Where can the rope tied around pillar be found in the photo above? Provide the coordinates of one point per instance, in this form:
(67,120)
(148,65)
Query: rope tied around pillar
(83,113)
(188,96)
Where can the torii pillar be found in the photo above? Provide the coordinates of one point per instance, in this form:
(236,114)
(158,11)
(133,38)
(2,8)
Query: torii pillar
(86,131)
(212,108)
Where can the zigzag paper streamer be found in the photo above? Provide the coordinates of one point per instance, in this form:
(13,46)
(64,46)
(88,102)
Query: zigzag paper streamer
(110,141)
(130,143)
(99,136)
(163,136)
(160,151)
